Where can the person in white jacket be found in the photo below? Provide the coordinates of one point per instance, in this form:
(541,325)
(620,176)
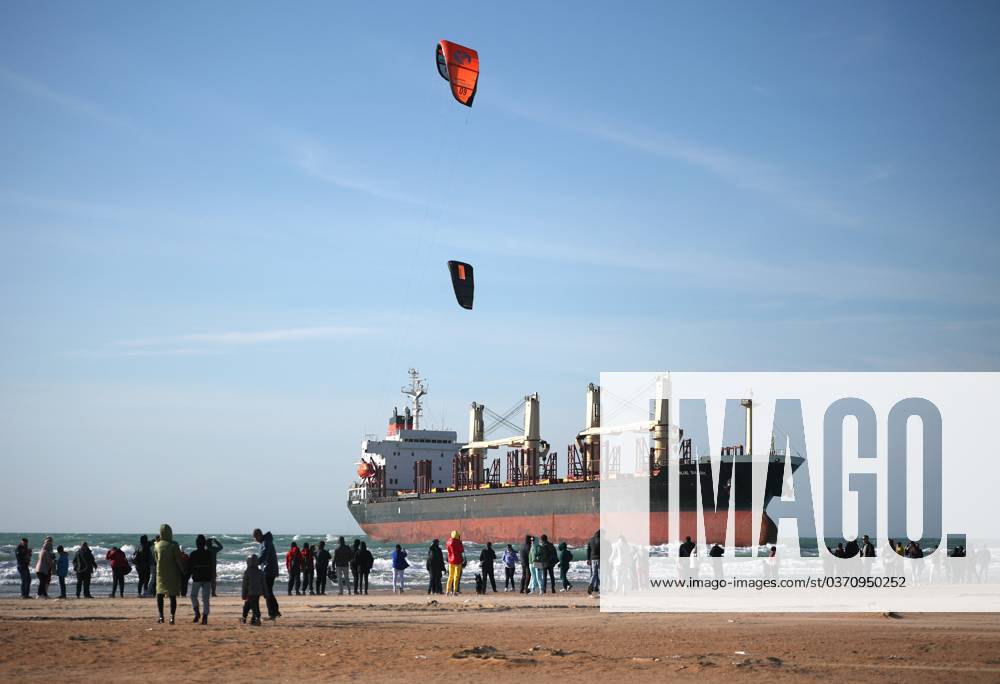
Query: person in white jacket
(45,567)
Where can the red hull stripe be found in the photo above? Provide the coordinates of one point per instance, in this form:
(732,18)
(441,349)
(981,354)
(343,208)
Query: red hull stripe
(575,529)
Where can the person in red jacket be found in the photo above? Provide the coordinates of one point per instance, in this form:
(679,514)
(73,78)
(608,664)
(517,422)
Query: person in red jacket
(119,568)
(308,563)
(456,559)
(293,563)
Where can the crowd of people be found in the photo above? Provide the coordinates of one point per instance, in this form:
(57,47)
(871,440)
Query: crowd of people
(165,570)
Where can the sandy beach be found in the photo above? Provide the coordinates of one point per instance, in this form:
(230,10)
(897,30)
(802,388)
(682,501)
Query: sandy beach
(378,638)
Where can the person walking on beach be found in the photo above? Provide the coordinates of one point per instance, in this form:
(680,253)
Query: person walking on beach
(456,558)
(308,566)
(23,556)
(200,563)
(594,561)
(399,566)
(525,558)
(509,567)
(84,566)
(435,567)
(44,567)
(366,561)
(62,569)
(253,587)
(551,558)
(486,559)
(355,573)
(141,560)
(268,558)
(293,564)
(214,547)
(322,565)
(169,571)
(565,558)
(118,562)
(342,563)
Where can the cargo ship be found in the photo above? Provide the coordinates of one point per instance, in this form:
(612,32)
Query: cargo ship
(418,484)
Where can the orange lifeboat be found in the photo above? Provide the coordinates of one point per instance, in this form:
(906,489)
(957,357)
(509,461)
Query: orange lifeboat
(365,470)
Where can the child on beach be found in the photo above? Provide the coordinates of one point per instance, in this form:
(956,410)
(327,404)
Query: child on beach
(253,587)
(399,566)
(62,569)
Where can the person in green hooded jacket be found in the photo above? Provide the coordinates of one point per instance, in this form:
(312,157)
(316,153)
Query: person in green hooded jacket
(169,570)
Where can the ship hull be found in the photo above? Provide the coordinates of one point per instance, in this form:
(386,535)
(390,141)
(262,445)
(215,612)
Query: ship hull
(568,511)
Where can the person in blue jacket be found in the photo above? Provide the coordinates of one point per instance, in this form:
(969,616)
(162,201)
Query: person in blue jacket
(510,558)
(399,566)
(62,569)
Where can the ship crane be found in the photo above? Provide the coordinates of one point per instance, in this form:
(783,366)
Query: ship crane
(531,449)
(530,439)
(589,439)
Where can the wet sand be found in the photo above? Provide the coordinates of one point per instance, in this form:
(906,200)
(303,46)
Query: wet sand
(382,637)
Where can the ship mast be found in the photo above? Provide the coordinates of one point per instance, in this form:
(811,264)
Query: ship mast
(415,391)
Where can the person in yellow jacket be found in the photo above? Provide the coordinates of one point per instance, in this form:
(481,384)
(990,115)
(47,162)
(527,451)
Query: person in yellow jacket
(456,558)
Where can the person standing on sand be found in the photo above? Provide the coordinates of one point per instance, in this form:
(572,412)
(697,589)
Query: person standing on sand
(399,566)
(169,570)
(355,575)
(268,558)
(118,562)
(509,567)
(551,558)
(186,574)
(322,564)
(23,556)
(435,567)
(200,563)
(151,588)
(537,559)
(342,562)
(486,559)
(253,587)
(565,558)
(214,547)
(366,562)
(594,561)
(84,566)
(62,569)
(44,568)
(456,557)
(525,558)
(308,566)
(293,564)
(141,560)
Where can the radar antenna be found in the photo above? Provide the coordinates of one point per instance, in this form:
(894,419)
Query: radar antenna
(415,391)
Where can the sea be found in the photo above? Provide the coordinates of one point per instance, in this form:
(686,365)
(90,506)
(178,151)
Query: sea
(232,560)
(236,548)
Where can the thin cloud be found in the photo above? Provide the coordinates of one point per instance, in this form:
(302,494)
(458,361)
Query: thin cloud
(69,103)
(313,160)
(747,173)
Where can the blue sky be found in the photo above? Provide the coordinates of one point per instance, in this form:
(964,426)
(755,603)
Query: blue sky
(223,229)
